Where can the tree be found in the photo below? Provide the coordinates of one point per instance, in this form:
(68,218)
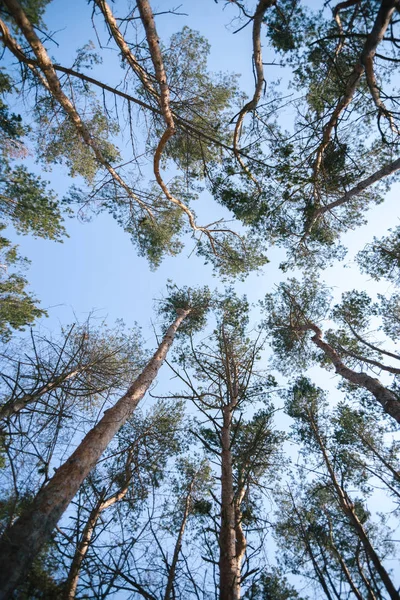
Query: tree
(82,135)
(301,188)
(25,203)
(157,565)
(84,362)
(22,540)
(294,311)
(222,383)
(311,179)
(145,444)
(381,257)
(272,585)
(322,526)
(18,307)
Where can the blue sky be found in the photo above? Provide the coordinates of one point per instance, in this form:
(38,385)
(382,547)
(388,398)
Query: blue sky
(97,268)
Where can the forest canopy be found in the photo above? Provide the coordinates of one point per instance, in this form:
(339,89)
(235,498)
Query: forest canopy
(226,170)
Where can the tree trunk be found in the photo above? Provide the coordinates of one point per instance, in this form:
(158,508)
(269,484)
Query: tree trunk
(178,545)
(342,562)
(22,542)
(229,585)
(11,408)
(348,509)
(84,543)
(385,397)
(317,570)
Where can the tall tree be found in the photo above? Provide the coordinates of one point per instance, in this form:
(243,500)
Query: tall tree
(222,381)
(322,525)
(296,310)
(23,539)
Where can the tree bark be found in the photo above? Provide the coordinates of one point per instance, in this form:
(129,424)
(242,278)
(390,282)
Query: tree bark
(348,509)
(11,408)
(84,543)
(385,397)
(383,18)
(22,542)
(178,545)
(317,570)
(52,84)
(229,585)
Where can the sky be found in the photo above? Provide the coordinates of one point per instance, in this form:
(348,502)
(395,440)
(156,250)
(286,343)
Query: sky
(97,267)
(96,270)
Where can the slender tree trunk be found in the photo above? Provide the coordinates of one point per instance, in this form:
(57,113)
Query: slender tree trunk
(367,583)
(229,585)
(178,545)
(317,570)
(84,542)
(342,562)
(22,542)
(11,408)
(348,509)
(80,552)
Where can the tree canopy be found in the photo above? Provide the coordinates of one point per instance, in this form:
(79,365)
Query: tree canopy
(246,445)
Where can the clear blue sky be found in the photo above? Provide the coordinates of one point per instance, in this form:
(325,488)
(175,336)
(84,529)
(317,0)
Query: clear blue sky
(97,268)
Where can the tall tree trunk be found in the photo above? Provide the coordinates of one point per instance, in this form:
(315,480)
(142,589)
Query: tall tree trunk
(348,509)
(229,585)
(178,545)
(22,542)
(84,542)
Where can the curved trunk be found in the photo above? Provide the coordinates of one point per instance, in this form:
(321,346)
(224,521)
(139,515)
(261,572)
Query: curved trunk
(21,543)
(385,397)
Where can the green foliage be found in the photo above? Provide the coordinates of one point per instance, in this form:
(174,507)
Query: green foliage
(389,310)
(255,447)
(201,98)
(34,10)
(18,307)
(354,310)
(285,25)
(60,143)
(149,440)
(288,311)
(306,404)
(232,255)
(197,300)
(381,258)
(157,237)
(272,585)
(334,479)
(25,200)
